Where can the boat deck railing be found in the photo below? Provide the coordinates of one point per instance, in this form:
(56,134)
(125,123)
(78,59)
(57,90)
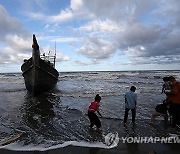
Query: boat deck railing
(48,58)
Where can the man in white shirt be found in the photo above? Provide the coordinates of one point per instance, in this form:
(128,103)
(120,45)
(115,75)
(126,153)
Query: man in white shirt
(130,104)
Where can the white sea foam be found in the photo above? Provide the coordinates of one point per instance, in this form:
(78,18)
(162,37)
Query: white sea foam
(31,147)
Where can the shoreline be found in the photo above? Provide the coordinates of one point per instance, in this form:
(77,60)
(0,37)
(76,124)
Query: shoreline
(86,71)
(123,148)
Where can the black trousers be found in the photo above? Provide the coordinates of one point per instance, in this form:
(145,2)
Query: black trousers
(174,110)
(94,120)
(133,111)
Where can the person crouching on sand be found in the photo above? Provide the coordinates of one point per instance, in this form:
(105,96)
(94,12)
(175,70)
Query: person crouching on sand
(94,120)
(161,110)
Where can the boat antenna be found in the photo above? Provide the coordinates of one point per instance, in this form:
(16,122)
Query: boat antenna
(55,53)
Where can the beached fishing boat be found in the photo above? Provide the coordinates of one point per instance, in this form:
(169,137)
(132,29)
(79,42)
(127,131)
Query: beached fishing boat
(39,72)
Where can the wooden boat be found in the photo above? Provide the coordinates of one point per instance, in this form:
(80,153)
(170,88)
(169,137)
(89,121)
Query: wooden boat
(39,72)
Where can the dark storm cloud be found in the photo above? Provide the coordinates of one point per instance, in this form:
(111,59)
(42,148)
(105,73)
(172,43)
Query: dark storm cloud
(151,29)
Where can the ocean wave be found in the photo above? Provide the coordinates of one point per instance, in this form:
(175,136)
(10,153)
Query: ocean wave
(87,94)
(18,147)
(10,75)
(57,119)
(12,90)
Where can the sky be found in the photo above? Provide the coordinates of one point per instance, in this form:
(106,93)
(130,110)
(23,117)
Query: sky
(92,35)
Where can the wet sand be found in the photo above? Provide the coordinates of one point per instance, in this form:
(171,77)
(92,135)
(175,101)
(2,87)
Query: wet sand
(142,128)
(141,148)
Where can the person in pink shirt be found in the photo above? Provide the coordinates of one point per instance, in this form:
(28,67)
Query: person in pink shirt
(94,106)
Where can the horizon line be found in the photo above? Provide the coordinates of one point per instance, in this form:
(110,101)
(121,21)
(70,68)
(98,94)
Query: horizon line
(105,71)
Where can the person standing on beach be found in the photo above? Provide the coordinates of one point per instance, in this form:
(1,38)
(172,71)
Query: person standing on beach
(94,120)
(174,97)
(130,104)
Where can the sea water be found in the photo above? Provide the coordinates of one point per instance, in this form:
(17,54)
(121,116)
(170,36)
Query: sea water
(59,118)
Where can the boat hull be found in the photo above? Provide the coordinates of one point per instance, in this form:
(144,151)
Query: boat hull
(39,78)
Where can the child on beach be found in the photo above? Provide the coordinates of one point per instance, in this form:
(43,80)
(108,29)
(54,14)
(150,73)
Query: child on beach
(94,120)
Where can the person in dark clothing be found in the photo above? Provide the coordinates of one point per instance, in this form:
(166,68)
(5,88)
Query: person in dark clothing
(174,97)
(167,86)
(161,110)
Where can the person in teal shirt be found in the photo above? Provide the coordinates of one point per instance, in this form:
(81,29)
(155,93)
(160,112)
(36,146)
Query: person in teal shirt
(130,104)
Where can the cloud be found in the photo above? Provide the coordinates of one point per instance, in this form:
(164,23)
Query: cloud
(76,10)
(36,15)
(144,31)
(154,40)
(84,9)
(58,39)
(100,26)
(139,30)
(33,5)
(96,49)
(169,10)
(16,40)
(79,62)
(115,10)
(62,57)
(14,37)
(52,28)
(63,16)
(9,25)
(63,39)
(85,63)
(96,37)
(50,51)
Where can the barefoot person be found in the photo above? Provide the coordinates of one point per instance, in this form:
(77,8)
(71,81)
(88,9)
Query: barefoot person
(161,110)
(130,104)
(94,120)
